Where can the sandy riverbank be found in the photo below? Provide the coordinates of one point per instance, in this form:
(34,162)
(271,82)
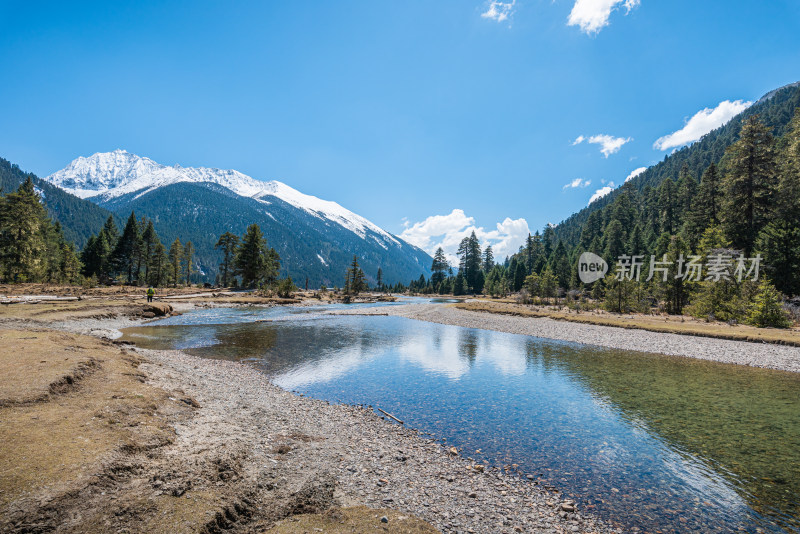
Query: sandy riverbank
(767,355)
(162,441)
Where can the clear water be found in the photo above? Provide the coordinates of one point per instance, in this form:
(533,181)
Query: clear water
(650,442)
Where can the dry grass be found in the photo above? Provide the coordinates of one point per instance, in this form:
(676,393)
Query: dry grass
(672,324)
(355,520)
(99,308)
(60,426)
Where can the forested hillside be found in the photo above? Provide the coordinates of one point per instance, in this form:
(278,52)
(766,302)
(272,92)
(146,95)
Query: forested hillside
(309,247)
(775,110)
(713,230)
(79,218)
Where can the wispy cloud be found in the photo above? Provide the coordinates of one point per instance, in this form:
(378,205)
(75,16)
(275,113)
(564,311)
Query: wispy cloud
(608,143)
(576,183)
(701,123)
(447,231)
(603,191)
(634,173)
(499,11)
(592,15)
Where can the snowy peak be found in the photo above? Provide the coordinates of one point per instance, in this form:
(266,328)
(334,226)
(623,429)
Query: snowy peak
(107,175)
(100,172)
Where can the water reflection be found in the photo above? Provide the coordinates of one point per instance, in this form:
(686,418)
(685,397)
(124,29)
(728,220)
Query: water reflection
(659,443)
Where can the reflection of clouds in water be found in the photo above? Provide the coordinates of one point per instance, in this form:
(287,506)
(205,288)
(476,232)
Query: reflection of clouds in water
(452,352)
(685,474)
(444,360)
(449,352)
(695,477)
(325,369)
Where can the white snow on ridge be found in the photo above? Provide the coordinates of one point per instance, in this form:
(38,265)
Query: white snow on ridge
(112,174)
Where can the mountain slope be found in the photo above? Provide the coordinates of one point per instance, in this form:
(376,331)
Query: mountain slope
(79,218)
(315,238)
(775,109)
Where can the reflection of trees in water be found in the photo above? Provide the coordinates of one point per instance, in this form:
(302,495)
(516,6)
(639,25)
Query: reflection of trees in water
(744,420)
(547,354)
(468,345)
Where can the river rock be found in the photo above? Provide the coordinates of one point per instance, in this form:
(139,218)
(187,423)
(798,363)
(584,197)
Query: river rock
(158,309)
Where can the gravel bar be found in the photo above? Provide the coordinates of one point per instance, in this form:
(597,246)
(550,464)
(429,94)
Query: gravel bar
(288,440)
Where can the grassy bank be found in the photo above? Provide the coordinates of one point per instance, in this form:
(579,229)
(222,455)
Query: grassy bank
(663,324)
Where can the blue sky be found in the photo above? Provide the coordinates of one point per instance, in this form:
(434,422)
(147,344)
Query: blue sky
(400,111)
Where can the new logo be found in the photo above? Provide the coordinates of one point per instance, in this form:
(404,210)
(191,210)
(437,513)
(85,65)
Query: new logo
(591,267)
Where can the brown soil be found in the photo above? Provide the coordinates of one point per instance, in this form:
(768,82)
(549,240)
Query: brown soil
(653,323)
(90,446)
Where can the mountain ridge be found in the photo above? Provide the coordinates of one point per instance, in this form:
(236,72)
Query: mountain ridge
(123,182)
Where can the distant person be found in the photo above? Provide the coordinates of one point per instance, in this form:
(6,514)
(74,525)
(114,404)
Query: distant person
(150,293)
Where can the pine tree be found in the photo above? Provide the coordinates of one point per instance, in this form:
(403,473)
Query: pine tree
(706,210)
(356,282)
(459,285)
(667,203)
(548,284)
(124,255)
(251,256)
(159,265)
(686,191)
(615,241)
(560,266)
(469,253)
(228,243)
(23,220)
(779,241)
(110,230)
(488,257)
(439,266)
(749,184)
(255,263)
(379,279)
(175,259)
(188,261)
(674,288)
(149,240)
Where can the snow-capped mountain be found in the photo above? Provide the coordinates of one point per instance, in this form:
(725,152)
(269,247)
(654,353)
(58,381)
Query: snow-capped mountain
(175,197)
(107,175)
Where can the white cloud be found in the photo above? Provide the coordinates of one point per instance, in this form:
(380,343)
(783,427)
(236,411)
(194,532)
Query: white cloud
(447,231)
(499,11)
(608,143)
(577,182)
(701,123)
(603,191)
(592,15)
(634,173)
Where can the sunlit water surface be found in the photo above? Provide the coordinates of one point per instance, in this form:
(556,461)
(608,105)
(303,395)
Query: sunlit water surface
(652,442)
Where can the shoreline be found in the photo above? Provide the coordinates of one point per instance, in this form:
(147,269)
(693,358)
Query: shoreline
(373,461)
(288,454)
(267,454)
(765,355)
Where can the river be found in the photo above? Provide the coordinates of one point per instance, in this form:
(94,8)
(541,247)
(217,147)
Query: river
(650,442)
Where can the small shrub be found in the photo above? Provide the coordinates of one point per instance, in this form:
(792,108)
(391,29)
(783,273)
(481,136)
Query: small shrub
(285,288)
(767,308)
